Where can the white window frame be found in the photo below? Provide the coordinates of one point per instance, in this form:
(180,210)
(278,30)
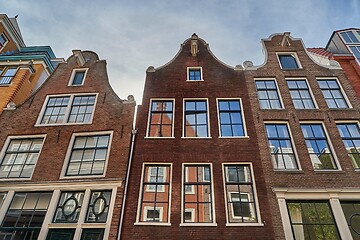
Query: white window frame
(309,88)
(356,34)
(277,90)
(69,151)
(74,71)
(292,142)
(258,215)
(294,55)
(194,68)
(187,179)
(232,205)
(341,90)
(242,117)
(140,222)
(68,109)
(147,208)
(336,160)
(194,224)
(6,41)
(5,146)
(184,117)
(334,196)
(4,70)
(149,117)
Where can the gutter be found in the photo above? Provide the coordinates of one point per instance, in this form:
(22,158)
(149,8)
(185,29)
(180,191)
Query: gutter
(133,135)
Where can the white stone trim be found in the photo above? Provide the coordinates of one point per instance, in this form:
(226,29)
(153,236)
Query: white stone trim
(194,68)
(74,71)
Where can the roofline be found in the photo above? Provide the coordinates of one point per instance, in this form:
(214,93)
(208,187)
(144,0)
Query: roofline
(337,31)
(9,27)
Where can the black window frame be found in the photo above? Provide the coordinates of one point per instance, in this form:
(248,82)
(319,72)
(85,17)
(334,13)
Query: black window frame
(298,91)
(331,92)
(162,112)
(268,89)
(196,112)
(229,112)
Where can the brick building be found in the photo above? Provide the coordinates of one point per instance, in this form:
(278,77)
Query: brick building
(22,69)
(196,171)
(64,154)
(307,116)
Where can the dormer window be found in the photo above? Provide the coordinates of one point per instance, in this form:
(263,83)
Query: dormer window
(350,37)
(3,40)
(194,74)
(288,61)
(78,77)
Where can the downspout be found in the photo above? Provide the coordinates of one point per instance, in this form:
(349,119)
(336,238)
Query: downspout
(133,135)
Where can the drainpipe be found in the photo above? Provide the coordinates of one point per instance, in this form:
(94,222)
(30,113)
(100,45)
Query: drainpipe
(133,135)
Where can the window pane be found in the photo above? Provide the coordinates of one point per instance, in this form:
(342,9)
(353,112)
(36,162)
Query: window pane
(92,234)
(332,93)
(60,234)
(161,119)
(196,122)
(99,206)
(288,62)
(69,207)
(268,94)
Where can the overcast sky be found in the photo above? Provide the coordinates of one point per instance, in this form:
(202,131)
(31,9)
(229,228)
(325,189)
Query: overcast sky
(132,35)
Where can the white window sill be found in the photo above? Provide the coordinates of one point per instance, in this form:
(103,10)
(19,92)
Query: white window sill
(244,224)
(289,170)
(196,137)
(14,179)
(151,224)
(82,176)
(198,224)
(327,170)
(188,80)
(159,137)
(59,124)
(236,137)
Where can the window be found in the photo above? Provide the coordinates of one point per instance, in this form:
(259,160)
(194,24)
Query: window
(332,93)
(281,146)
(3,40)
(72,205)
(202,201)
(7,74)
(196,118)
(352,212)
(312,220)
(239,190)
(194,74)
(68,109)
(88,154)
(318,147)
(350,37)
(300,94)
(25,216)
(288,61)
(356,51)
(230,118)
(268,94)
(20,156)
(161,118)
(77,77)
(154,206)
(350,135)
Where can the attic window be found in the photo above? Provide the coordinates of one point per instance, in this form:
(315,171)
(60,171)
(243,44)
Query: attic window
(194,74)
(78,77)
(3,40)
(289,61)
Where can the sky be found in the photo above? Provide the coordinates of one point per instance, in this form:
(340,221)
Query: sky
(132,35)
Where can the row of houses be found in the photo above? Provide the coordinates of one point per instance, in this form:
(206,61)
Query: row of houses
(217,152)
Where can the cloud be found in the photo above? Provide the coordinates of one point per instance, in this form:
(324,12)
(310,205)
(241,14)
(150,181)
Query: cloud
(131,35)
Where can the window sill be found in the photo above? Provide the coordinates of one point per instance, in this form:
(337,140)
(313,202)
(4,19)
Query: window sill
(235,137)
(244,225)
(151,224)
(196,137)
(5,85)
(14,179)
(288,171)
(328,171)
(198,225)
(159,137)
(60,124)
(291,69)
(188,80)
(82,176)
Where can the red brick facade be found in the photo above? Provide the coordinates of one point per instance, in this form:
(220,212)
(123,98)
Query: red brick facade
(111,115)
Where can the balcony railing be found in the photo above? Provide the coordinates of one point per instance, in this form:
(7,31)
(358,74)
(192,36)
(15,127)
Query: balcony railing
(4,80)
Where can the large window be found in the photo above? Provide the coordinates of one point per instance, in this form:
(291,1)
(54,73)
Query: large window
(351,211)
(161,118)
(25,216)
(268,94)
(20,156)
(71,206)
(318,147)
(88,155)
(332,93)
(194,74)
(68,109)
(240,194)
(312,220)
(350,135)
(288,61)
(197,207)
(281,146)
(230,116)
(196,118)
(154,206)
(300,94)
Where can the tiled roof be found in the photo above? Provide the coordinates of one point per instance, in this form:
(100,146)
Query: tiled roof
(320,51)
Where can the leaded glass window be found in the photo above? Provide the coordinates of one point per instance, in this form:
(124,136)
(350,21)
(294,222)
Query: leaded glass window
(196,118)
(69,206)
(351,211)
(99,206)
